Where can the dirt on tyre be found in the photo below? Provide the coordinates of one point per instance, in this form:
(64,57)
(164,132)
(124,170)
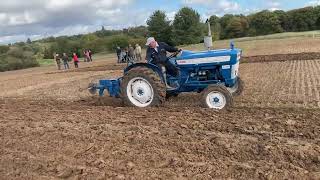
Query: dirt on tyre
(142,87)
(217,97)
(171,95)
(238,88)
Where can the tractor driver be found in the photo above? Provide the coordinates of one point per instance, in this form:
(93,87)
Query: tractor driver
(158,53)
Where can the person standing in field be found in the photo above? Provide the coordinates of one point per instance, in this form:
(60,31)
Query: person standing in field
(138,52)
(131,54)
(118,51)
(123,56)
(65,60)
(90,55)
(75,60)
(85,55)
(58,60)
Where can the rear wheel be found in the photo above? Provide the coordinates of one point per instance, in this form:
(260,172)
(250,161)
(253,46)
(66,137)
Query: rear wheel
(142,87)
(217,97)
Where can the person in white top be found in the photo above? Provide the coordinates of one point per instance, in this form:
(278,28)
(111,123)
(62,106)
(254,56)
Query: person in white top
(138,52)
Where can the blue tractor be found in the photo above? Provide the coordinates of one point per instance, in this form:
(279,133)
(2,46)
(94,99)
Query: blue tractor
(213,73)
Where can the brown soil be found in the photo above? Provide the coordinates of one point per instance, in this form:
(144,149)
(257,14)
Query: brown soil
(281,57)
(51,128)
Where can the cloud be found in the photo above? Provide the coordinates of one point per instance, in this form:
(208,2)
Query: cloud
(20,18)
(217,7)
(273,5)
(313,3)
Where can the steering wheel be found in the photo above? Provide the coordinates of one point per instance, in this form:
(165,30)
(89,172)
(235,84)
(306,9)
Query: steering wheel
(174,54)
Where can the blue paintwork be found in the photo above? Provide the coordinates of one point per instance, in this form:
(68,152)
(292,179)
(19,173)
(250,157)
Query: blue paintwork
(187,82)
(112,85)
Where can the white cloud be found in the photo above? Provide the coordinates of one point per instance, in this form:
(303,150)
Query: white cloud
(21,18)
(217,7)
(273,5)
(79,29)
(171,15)
(313,3)
(21,37)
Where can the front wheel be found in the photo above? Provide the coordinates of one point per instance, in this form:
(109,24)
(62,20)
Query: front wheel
(217,97)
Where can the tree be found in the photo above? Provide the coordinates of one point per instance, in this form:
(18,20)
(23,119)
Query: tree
(4,49)
(187,28)
(284,20)
(215,26)
(265,22)
(159,27)
(237,27)
(303,19)
(317,14)
(224,21)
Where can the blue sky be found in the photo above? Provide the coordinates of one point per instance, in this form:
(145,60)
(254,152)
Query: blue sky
(20,19)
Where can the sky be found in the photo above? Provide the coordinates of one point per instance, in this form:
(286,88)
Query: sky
(36,19)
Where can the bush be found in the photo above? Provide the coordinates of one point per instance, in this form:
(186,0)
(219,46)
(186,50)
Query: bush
(17,58)
(4,49)
(119,40)
(140,41)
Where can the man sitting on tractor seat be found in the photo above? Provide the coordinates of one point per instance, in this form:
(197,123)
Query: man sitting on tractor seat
(158,53)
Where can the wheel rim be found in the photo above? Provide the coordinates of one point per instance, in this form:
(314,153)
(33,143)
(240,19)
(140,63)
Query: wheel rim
(216,100)
(140,92)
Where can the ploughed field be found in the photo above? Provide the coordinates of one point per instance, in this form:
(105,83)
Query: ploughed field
(51,127)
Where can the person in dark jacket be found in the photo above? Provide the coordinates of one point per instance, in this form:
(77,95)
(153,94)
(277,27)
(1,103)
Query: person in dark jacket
(65,60)
(157,52)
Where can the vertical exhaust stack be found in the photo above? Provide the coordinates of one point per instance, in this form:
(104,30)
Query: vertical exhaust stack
(208,39)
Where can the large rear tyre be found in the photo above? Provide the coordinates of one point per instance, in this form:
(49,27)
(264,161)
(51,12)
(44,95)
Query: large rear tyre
(142,87)
(237,89)
(217,97)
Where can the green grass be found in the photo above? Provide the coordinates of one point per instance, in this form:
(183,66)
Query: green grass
(282,36)
(46,62)
(247,44)
(96,57)
(251,44)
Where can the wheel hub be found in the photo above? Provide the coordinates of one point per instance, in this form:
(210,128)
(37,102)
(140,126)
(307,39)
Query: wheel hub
(216,100)
(140,92)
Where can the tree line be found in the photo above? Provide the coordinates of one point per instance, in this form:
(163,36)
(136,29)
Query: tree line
(186,28)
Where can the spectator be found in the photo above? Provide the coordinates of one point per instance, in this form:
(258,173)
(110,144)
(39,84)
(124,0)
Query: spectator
(123,55)
(131,57)
(65,60)
(138,52)
(58,61)
(118,51)
(90,55)
(131,53)
(75,60)
(85,55)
